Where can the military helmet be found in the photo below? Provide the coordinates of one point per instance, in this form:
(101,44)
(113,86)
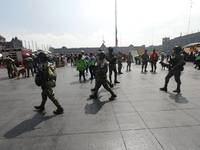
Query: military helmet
(177,48)
(42,55)
(102,53)
(110,49)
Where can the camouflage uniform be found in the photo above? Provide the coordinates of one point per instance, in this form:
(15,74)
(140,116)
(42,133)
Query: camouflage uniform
(10,67)
(145,59)
(112,67)
(119,59)
(101,78)
(42,79)
(29,65)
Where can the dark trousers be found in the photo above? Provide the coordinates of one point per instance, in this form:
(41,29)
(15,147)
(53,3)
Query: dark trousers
(81,73)
(153,64)
(177,75)
(91,68)
(144,65)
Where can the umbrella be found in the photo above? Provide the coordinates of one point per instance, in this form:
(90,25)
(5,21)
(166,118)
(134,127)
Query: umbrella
(191,44)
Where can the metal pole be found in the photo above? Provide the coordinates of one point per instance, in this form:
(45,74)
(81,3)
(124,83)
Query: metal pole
(116,40)
(189,17)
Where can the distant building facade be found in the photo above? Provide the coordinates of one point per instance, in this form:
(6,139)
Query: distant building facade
(14,43)
(168,44)
(87,50)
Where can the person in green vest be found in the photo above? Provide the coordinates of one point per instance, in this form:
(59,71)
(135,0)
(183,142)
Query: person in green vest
(91,62)
(80,66)
(197,60)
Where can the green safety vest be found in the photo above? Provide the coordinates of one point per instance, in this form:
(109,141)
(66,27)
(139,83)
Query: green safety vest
(197,58)
(80,64)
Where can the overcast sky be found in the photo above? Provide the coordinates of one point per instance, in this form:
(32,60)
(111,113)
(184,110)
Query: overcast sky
(82,23)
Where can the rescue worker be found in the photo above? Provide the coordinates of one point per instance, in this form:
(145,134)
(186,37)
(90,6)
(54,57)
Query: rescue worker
(154,59)
(91,63)
(145,59)
(177,62)
(101,70)
(112,65)
(119,60)
(46,78)
(80,66)
(9,63)
(129,60)
(29,64)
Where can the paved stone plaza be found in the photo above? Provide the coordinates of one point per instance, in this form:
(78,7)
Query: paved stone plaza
(141,118)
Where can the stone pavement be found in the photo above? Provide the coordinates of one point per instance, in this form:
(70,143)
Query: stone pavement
(141,118)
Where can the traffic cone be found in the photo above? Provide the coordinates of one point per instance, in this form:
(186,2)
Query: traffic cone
(22,64)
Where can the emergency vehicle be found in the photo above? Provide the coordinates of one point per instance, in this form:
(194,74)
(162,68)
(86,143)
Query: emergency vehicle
(17,54)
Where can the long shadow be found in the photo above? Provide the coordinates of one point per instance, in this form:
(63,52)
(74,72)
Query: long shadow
(27,125)
(4,78)
(95,107)
(178,98)
(78,82)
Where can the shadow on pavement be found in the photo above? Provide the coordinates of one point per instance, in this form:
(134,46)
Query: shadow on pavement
(4,78)
(95,107)
(27,125)
(178,98)
(78,82)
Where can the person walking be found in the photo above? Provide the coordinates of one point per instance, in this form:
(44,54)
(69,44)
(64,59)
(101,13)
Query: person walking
(112,65)
(46,78)
(29,64)
(9,63)
(91,63)
(129,60)
(154,59)
(119,61)
(80,66)
(145,59)
(101,76)
(177,62)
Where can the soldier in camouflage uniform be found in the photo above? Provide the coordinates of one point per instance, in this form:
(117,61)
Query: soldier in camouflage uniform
(101,76)
(29,64)
(119,60)
(46,78)
(145,59)
(177,62)
(112,65)
(9,63)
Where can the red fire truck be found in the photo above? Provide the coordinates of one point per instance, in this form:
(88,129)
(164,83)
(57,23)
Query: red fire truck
(17,54)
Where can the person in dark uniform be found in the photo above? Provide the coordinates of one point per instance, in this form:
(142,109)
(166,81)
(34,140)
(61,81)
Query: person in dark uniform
(101,70)
(176,66)
(112,65)
(10,68)
(119,60)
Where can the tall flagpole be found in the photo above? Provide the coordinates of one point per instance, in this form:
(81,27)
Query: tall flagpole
(116,40)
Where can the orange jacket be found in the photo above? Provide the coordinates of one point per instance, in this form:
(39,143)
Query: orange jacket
(154,55)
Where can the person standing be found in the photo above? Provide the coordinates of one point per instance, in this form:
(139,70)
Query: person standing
(177,62)
(112,65)
(154,59)
(101,76)
(145,59)
(119,60)
(9,63)
(91,63)
(29,64)
(46,78)
(80,66)
(129,60)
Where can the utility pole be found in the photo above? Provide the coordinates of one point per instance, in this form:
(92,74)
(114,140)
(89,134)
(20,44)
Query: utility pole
(189,17)
(32,46)
(116,40)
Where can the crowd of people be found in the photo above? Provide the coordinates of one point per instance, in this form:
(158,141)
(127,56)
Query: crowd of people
(40,64)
